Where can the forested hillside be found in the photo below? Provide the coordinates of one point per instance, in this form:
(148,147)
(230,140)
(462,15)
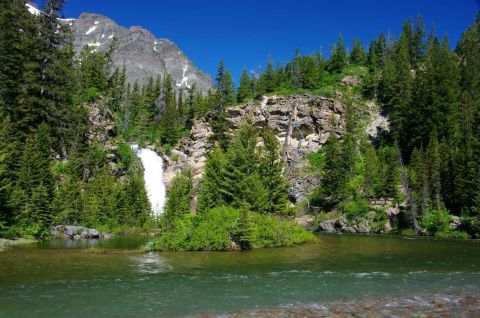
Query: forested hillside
(55,170)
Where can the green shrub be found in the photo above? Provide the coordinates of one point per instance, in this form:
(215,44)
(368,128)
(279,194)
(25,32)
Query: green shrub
(379,222)
(471,225)
(214,230)
(356,208)
(219,229)
(452,234)
(32,231)
(408,232)
(436,221)
(271,231)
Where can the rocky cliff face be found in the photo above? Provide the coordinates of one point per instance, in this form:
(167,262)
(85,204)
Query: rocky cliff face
(142,53)
(316,117)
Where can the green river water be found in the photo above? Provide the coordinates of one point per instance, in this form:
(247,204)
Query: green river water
(58,279)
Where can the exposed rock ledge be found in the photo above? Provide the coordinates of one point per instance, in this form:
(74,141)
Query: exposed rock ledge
(312,126)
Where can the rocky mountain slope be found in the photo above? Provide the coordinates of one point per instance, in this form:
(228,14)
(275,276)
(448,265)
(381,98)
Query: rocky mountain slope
(142,53)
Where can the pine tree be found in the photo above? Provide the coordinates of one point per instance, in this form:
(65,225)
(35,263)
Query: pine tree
(168,122)
(100,195)
(338,57)
(334,176)
(178,201)
(271,175)
(7,175)
(67,204)
(434,170)
(420,180)
(228,89)
(241,183)
(244,235)
(389,173)
(417,42)
(269,77)
(14,53)
(467,168)
(245,88)
(34,188)
(310,73)
(371,179)
(132,201)
(358,55)
(210,196)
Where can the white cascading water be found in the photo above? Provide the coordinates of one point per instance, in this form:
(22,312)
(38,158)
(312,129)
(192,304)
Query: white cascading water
(153,174)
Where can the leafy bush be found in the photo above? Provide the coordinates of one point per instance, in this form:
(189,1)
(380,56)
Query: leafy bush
(32,231)
(408,232)
(271,231)
(452,234)
(379,221)
(221,228)
(436,221)
(356,208)
(471,225)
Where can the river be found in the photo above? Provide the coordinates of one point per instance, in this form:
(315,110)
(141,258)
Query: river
(58,278)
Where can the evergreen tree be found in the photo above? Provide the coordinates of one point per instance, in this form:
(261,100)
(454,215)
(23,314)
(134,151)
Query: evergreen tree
(271,174)
(132,200)
(467,167)
(338,58)
(34,188)
(371,180)
(420,180)
(168,122)
(310,73)
(244,232)
(178,201)
(269,77)
(245,88)
(210,196)
(358,55)
(334,174)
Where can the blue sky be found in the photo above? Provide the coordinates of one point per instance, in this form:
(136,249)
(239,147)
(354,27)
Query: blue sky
(245,32)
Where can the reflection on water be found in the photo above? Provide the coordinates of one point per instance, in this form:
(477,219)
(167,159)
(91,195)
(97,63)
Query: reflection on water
(150,263)
(56,278)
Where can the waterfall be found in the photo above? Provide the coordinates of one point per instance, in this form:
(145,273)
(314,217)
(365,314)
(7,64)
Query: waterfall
(153,166)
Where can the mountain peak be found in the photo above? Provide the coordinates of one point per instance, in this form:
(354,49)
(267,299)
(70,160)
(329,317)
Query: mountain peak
(139,50)
(148,35)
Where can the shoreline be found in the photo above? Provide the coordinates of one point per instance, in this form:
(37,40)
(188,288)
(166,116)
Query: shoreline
(6,244)
(455,303)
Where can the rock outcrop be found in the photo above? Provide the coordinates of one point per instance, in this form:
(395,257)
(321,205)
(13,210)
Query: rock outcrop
(316,118)
(73,232)
(313,125)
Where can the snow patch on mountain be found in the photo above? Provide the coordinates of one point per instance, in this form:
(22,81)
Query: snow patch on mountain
(184,82)
(93,28)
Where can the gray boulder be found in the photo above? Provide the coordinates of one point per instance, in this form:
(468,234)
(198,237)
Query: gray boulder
(74,232)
